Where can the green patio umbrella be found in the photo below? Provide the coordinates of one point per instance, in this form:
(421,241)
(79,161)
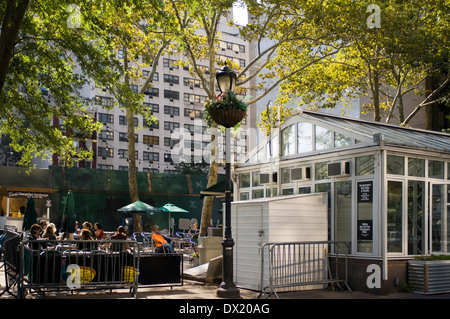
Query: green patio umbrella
(171,208)
(217,190)
(139,207)
(69,214)
(31,216)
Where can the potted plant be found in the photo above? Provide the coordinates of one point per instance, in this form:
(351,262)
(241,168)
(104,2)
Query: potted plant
(226,110)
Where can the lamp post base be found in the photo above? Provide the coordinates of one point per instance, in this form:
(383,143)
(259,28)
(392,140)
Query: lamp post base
(228,290)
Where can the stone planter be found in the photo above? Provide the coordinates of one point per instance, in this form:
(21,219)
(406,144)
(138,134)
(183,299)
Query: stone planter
(429,277)
(227,117)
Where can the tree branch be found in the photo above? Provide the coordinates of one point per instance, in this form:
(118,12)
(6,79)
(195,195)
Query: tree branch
(426,101)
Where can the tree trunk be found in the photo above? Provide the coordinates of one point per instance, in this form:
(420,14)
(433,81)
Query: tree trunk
(9,30)
(132,181)
(376,97)
(212,180)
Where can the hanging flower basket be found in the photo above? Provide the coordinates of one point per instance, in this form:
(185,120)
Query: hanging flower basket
(227,110)
(228,117)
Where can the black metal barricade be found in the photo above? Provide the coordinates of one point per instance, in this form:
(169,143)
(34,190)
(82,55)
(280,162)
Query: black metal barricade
(40,266)
(79,265)
(11,263)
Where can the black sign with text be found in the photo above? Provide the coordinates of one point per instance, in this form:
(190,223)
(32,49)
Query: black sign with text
(365,192)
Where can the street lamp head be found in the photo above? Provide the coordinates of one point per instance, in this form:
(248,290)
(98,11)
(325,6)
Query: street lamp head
(226,79)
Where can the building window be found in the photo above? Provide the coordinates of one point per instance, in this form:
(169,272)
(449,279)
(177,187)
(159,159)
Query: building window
(123,137)
(342,214)
(255,179)
(167,158)
(170,142)
(150,140)
(123,120)
(440,218)
(288,141)
(304,137)
(416,167)
(395,165)
(154,108)
(171,126)
(244,180)
(448,171)
(436,169)
(244,196)
(173,79)
(194,98)
(285,175)
(106,118)
(171,110)
(341,140)
(364,165)
(194,128)
(257,193)
(287,191)
(323,138)
(170,63)
(416,218)
(191,82)
(394,216)
(321,171)
(151,156)
(105,152)
(146,73)
(169,94)
(123,153)
(104,101)
(151,124)
(106,135)
(151,91)
(193,113)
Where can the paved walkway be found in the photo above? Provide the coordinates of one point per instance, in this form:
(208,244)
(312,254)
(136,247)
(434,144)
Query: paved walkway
(196,288)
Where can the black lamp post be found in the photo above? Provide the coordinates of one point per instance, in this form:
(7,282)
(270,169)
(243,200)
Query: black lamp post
(226,79)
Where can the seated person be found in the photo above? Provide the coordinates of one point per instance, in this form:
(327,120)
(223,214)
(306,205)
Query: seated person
(160,243)
(88,226)
(35,231)
(85,235)
(99,233)
(49,233)
(193,232)
(120,234)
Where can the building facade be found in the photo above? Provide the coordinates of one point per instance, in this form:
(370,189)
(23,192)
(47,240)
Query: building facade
(176,99)
(388,187)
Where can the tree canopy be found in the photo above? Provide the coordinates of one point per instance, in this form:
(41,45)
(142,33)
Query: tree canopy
(383,63)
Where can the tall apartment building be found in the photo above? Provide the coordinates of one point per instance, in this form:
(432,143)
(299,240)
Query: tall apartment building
(176,99)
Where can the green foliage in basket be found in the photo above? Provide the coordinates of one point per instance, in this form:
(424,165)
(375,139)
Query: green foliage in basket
(227,101)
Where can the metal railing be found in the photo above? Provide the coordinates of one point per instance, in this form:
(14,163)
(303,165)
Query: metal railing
(11,263)
(296,264)
(41,266)
(78,265)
